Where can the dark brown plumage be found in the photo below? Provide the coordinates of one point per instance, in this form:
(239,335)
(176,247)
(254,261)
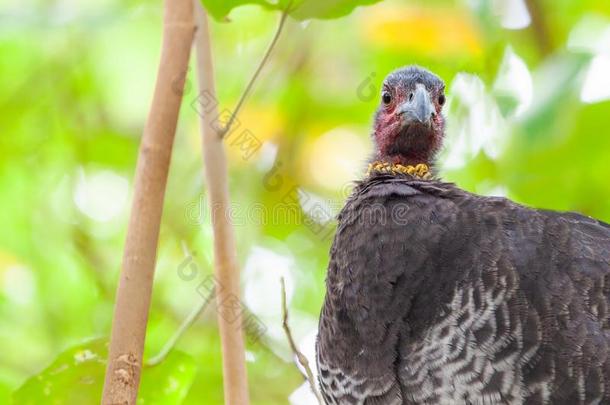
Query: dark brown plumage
(439,296)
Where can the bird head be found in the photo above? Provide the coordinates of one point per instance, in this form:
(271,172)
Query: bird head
(409,126)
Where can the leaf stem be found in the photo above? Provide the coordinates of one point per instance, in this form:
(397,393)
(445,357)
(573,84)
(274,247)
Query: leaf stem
(186,324)
(171,343)
(259,68)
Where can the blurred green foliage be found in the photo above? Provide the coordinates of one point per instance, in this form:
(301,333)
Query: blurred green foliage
(527,113)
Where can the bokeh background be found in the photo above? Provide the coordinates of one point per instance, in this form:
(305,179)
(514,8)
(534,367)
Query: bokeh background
(528,110)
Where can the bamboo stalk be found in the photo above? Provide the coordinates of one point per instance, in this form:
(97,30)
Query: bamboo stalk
(139,257)
(225,256)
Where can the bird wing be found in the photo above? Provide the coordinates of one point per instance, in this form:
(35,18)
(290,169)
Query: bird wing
(528,316)
(377,249)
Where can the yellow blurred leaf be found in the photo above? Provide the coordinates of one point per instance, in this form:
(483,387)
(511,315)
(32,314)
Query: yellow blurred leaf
(255,125)
(435,32)
(6,260)
(335,158)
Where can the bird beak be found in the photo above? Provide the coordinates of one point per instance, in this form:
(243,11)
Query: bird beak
(419,108)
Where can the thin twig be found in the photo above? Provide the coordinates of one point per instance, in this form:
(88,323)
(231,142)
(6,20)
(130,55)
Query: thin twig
(250,85)
(171,343)
(300,356)
(186,324)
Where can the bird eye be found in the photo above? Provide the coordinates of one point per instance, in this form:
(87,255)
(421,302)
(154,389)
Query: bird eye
(441,99)
(386,97)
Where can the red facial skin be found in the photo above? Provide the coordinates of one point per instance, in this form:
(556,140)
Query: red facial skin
(408,143)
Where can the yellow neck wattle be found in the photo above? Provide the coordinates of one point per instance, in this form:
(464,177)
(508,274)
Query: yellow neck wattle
(421,170)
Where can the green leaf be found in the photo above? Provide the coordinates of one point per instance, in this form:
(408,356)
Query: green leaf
(220,9)
(298,9)
(307,9)
(77,377)
(169,382)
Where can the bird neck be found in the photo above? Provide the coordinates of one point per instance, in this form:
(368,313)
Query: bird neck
(405,160)
(420,170)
